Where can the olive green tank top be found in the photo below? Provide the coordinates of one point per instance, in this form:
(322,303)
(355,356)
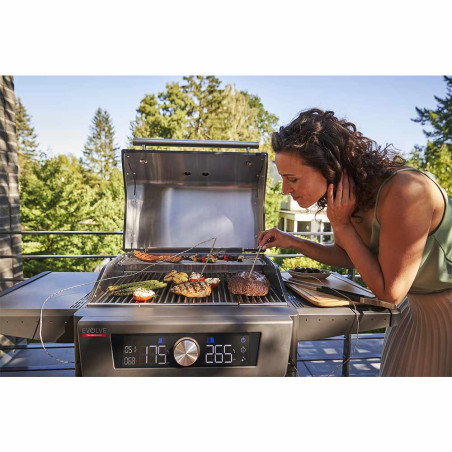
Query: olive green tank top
(435,271)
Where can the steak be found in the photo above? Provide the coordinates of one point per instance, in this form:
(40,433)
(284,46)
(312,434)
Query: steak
(255,286)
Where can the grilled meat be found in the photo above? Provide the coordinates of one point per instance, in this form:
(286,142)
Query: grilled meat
(175,277)
(192,289)
(169,276)
(153,257)
(180,278)
(255,286)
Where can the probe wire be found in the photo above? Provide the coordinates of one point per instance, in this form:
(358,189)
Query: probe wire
(94,289)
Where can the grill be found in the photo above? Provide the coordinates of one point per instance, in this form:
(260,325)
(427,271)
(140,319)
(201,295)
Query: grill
(220,295)
(175,200)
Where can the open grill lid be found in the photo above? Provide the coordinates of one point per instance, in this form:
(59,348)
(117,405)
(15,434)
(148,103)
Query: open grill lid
(180,198)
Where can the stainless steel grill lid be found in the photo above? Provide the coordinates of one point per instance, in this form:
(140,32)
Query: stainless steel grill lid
(180,198)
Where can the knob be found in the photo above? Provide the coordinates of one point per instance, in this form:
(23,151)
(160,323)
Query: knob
(186,351)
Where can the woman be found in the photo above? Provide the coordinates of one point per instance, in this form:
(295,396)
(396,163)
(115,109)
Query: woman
(391,222)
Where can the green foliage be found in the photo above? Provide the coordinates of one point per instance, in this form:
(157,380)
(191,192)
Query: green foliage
(27,145)
(291,262)
(273,199)
(99,155)
(436,156)
(57,195)
(440,119)
(26,136)
(436,160)
(200,109)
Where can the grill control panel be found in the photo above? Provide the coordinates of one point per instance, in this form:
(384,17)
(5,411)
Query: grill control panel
(185,350)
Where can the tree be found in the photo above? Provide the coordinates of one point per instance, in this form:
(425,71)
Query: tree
(57,196)
(439,119)
(100,150)
(201,109)
(27,144)
(436,156)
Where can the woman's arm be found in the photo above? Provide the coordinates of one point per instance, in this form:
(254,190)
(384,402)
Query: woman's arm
(405,218)
(332,254)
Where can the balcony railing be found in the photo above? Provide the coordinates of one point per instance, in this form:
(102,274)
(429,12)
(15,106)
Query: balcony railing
(111,256)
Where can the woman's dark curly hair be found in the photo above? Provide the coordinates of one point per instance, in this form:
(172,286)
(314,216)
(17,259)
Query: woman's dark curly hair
(332,145)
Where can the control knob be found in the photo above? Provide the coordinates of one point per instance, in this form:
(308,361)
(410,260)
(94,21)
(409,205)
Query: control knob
(186,351)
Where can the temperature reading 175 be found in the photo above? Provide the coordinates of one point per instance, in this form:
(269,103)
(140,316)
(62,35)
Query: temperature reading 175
(219,354)
(156,354)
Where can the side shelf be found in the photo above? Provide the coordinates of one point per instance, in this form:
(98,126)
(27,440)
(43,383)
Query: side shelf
(20,305)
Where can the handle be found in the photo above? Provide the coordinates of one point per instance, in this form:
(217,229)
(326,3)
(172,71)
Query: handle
(338,292)
(195,143)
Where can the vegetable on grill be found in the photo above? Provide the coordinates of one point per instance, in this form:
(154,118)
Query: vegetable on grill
(123,290)
(213,282)
(143,295)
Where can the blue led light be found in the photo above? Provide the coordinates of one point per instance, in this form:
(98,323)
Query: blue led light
(160,340)
(210,340)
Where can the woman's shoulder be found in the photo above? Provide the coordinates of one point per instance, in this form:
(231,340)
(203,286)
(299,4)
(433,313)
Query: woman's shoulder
(409,188)
(409,183)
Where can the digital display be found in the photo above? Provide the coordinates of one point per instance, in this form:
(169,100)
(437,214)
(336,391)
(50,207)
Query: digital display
(157,350)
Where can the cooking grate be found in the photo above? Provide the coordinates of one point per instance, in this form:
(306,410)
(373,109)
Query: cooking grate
(220,295)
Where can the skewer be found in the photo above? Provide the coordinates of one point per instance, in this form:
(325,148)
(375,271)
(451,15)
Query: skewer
(255,259)
(211,251)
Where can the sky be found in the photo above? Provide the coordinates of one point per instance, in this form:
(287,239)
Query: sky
(382,107)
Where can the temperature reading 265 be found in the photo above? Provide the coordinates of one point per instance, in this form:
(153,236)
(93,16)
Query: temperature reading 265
(219,354)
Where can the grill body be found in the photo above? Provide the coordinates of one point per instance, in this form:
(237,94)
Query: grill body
(105,317)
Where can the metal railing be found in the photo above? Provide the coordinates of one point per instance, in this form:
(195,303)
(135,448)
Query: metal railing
(110,256)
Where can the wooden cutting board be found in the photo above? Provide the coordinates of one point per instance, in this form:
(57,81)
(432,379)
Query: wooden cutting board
(307,289)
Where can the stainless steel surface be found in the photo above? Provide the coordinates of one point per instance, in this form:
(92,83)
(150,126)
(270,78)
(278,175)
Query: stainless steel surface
(315,323)
(186,351)
(180,198)
(94,354)
(20,306)
(195,143)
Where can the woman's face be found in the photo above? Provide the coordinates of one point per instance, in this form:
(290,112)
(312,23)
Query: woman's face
(304,183)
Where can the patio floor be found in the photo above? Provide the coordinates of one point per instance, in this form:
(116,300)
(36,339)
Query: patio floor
(315,358)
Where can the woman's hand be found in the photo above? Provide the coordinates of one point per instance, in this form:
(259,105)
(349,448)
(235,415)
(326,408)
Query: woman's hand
(341,207)
(274,237)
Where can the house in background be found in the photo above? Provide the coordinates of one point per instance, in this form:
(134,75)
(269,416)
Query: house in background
(293,218)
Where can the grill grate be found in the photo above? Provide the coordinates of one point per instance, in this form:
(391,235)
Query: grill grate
(220,295)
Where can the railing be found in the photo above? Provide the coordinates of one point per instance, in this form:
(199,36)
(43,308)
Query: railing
(112,256)
(104,256)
